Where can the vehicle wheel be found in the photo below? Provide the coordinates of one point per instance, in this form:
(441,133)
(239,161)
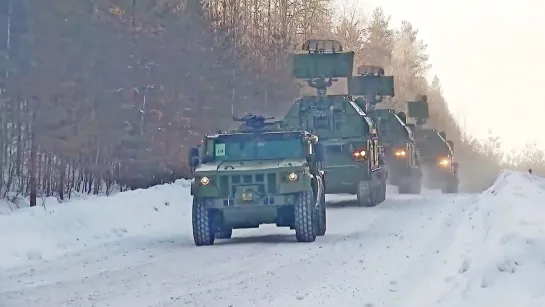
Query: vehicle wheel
(416,186)
(224,234)
(320,231)
(451,186)
(365,194)
(202,232)
(403,187)
(382,190)
(305,217)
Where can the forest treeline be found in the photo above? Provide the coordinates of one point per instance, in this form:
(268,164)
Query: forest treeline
(98,95)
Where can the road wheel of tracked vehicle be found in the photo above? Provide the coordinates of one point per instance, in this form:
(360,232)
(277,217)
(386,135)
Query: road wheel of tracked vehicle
(366,194)
(321,212)
(203,233)
(411,185)
(451,186)
(382,192)
(224,234)
(416,186)
(403,187)
(305,217)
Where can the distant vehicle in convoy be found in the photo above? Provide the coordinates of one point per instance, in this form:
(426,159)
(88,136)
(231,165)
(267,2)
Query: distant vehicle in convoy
(400,154)
(257,175)
(352,154)
(436,152)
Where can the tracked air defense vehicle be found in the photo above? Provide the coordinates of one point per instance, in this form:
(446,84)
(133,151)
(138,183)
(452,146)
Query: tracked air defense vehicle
(257,174)
(436,152)
(352,154)
(397,139)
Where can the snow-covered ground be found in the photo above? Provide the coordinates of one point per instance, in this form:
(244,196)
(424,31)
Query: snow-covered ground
(136,249)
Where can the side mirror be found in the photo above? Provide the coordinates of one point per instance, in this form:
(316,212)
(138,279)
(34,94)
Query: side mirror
(319,152)
(402,116)
(451,144)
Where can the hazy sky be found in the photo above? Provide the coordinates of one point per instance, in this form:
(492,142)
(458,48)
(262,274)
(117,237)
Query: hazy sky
(490,57)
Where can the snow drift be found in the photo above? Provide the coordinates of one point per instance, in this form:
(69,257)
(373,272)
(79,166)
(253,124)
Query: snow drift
(31,235)
(498,255)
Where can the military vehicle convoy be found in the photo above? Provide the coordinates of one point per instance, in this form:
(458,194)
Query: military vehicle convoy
(352,157)
(257,175)
(400,153)
(436,152)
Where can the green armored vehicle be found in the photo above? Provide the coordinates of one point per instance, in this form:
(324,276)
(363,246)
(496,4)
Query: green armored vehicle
(255,176)
(397,139)
(436,152)
(352,154)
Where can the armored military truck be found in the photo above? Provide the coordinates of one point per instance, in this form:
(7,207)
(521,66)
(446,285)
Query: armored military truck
(397,139)
(352,155)
(436,152)
(257,175)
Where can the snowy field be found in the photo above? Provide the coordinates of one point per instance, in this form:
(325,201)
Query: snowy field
(136,249)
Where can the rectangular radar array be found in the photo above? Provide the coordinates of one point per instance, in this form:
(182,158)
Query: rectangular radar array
(322,59)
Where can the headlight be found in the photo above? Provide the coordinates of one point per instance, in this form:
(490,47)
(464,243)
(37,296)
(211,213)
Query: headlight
(444,162)
(247,196)
(293,176)
(205,180)
(359,155)
(400,153)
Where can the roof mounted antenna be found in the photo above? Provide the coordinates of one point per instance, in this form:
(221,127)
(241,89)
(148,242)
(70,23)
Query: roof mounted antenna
(322,46)
(324,61)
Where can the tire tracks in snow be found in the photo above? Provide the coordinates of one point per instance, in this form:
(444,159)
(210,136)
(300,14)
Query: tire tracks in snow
(253,269)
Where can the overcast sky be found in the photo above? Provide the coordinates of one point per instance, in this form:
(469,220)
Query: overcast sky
(490,57)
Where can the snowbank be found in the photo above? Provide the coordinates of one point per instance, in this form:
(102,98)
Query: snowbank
(498,257)
(37,234)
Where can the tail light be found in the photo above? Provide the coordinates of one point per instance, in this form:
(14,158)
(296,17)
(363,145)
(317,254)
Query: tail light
(359,155)
(400,153)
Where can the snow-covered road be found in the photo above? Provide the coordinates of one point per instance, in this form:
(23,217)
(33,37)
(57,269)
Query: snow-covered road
(390,255)
(367,256)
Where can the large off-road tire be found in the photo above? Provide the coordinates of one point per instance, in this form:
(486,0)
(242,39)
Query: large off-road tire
(305,217)
(224,234)
(321,212)
(366,194)
(203,233)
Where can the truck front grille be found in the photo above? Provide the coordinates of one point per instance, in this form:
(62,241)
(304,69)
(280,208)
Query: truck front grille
(266,183)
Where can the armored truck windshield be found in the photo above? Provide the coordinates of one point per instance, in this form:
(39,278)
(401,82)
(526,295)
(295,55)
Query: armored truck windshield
(262,146)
